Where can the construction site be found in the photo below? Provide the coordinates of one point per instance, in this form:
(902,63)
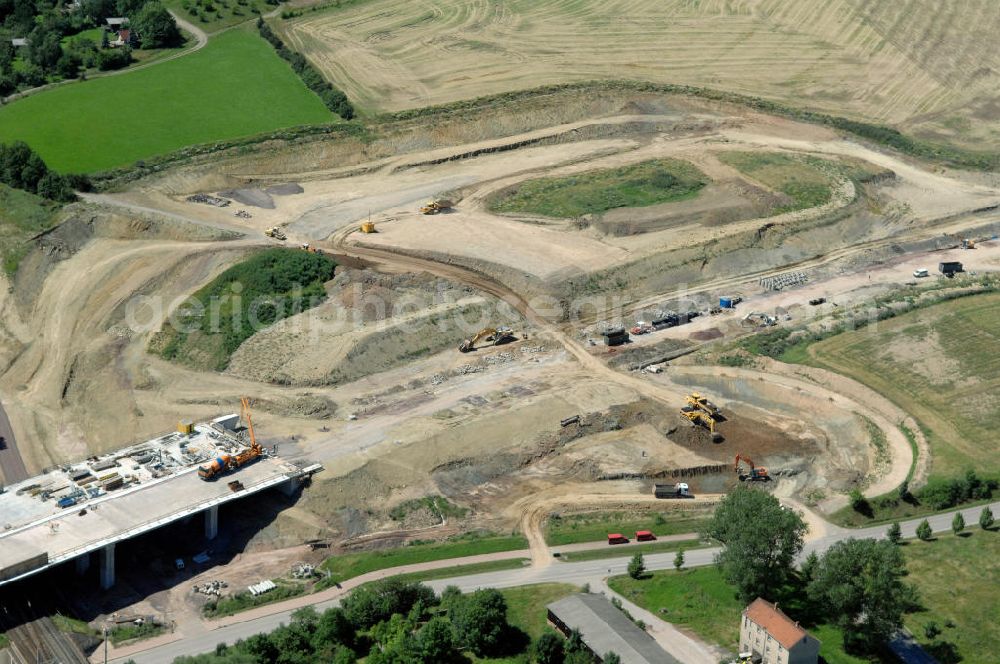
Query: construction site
(515,364)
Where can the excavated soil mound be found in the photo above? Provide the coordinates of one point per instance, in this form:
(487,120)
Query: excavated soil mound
(286,189)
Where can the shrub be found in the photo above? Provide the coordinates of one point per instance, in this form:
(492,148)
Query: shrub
(924,531)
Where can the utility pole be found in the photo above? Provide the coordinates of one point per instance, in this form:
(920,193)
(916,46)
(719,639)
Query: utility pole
(105,644)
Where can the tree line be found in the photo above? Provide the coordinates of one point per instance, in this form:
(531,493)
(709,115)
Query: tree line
(22,168)
(333,98)
(45,25)
(398,622)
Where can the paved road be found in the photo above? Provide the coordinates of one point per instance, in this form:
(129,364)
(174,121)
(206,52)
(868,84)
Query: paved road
(11,464)
(591,571)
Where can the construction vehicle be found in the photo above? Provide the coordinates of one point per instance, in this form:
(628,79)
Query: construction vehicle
(756,474)
(697,416)
(702,403)
(758,319)
(228,462)
(436,206)
(968,243)
(642,327)
(276,233)
(497,336)
(368,226)
(672,491)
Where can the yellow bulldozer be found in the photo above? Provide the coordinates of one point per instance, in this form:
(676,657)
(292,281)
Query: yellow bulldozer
(276,233)
(497,336)
(436,206)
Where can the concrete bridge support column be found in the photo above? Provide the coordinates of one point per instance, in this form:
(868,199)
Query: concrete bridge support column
(83,564)
(212,522)
(290,487)
(107,566)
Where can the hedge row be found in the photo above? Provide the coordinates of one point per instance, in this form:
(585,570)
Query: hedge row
(334,99)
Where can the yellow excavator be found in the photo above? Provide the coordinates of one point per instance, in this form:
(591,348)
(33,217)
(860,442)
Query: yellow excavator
(702,412)
(497,336)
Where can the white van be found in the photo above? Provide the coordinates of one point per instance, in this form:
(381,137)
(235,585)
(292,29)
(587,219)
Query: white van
(922,272)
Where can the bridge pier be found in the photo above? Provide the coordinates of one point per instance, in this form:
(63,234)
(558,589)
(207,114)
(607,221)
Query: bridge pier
(212,522)
(82,564)
(107,566)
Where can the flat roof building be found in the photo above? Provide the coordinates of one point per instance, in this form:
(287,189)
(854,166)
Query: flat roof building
(606,629)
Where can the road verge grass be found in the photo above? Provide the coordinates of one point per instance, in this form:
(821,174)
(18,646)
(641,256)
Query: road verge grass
(349,565)
(244,601)
(594,526)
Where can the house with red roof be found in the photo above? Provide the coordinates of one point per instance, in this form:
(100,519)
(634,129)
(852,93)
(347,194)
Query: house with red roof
(768,636)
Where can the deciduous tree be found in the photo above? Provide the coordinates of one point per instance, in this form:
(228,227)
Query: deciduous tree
(859,585)
(156,27)
(761,538)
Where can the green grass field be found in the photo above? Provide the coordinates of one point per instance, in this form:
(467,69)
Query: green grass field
(350,565)
(800,178)
(940,365)
(957,578)
(700,600)
(594,192)
(22,215)
(236,86)
(594,526)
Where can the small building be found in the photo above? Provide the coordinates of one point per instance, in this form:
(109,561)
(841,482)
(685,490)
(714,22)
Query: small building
(118,22)
(771,637)
(18,42)
(606,629)
(615,336)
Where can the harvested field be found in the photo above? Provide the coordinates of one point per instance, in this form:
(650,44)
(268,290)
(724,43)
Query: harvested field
(916,63)
(939,365)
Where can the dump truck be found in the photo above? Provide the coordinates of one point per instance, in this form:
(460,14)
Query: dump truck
(672,491)
(436,206)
